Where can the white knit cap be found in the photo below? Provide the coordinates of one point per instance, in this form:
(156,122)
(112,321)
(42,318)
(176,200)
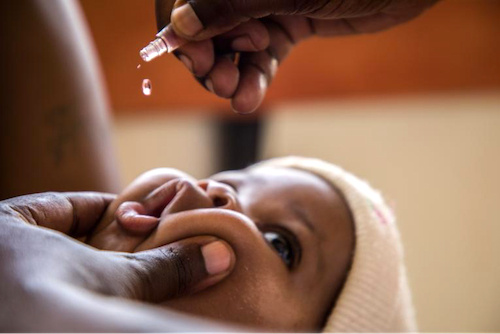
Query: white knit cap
(375,296)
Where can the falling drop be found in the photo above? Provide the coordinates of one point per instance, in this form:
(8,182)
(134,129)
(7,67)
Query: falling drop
(139,66)
(147,87)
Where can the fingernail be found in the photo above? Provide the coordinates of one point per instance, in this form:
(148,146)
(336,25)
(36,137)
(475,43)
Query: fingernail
(274,67)
(187,62)
(239,112)
(236,111)
(243,43)
(185,20)
(169,36)
(210,85)
(262,82)
(217,257)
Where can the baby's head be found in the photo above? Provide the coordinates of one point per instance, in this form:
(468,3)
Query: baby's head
(308,237)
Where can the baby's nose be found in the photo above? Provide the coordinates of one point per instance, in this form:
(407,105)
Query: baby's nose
(222,195)
(184,195)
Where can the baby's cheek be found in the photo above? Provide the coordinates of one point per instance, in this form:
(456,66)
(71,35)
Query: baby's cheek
(255,296)
(114,238)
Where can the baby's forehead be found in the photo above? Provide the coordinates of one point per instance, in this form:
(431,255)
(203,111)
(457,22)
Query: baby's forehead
(271,177)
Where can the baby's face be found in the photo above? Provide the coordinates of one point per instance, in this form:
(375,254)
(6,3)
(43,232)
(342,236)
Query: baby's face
(291,232)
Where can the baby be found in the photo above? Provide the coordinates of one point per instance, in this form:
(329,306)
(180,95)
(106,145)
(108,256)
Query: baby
(316,248)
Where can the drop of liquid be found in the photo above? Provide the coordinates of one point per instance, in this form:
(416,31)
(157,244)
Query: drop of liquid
(147,87)
(139,66)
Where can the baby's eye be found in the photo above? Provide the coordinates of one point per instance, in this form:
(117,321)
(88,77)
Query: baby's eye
(282,246)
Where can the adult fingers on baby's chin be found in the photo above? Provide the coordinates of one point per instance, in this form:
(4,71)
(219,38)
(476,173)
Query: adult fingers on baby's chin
(251,89)
(72,213)
(198,57)
(223,78)
(181,268)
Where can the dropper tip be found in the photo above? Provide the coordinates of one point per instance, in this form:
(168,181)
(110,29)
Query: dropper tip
(145,55)
(154,49)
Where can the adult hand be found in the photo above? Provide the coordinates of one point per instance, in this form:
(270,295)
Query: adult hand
(54,283)
(264,32)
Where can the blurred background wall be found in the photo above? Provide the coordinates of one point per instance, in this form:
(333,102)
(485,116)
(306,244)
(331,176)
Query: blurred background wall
(414,110)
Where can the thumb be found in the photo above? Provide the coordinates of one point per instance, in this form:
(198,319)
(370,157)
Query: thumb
(181,268)
(203,19)
(72,213)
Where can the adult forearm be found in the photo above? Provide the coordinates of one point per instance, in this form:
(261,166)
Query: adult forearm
(51,282)
(54,306)
(54,125)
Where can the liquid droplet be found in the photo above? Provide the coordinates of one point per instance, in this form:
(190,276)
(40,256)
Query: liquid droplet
(147,87)
(139,66)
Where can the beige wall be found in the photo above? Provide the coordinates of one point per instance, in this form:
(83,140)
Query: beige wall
(143,143)
(436,158)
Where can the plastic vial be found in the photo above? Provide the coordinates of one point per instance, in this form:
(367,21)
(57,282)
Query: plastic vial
(147,87)
(166,41)
(157,47)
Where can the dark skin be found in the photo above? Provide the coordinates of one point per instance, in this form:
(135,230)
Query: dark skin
(54,136)
(51,282)
(54,110)
(292,234)
(264,32)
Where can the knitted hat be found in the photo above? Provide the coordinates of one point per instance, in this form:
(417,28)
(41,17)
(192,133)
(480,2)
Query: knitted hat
(375,296)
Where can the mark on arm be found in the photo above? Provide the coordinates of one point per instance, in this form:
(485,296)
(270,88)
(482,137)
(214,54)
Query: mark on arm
(66,128)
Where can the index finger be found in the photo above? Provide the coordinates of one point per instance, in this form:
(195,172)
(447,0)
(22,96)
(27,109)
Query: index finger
(72,213)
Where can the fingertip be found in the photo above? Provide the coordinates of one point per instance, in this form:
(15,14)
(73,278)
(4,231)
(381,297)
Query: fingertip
(223,78)
(132,218)
(210,85)
(200,20)
(250,92)
(206,260)
(218,257)
(185,21)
